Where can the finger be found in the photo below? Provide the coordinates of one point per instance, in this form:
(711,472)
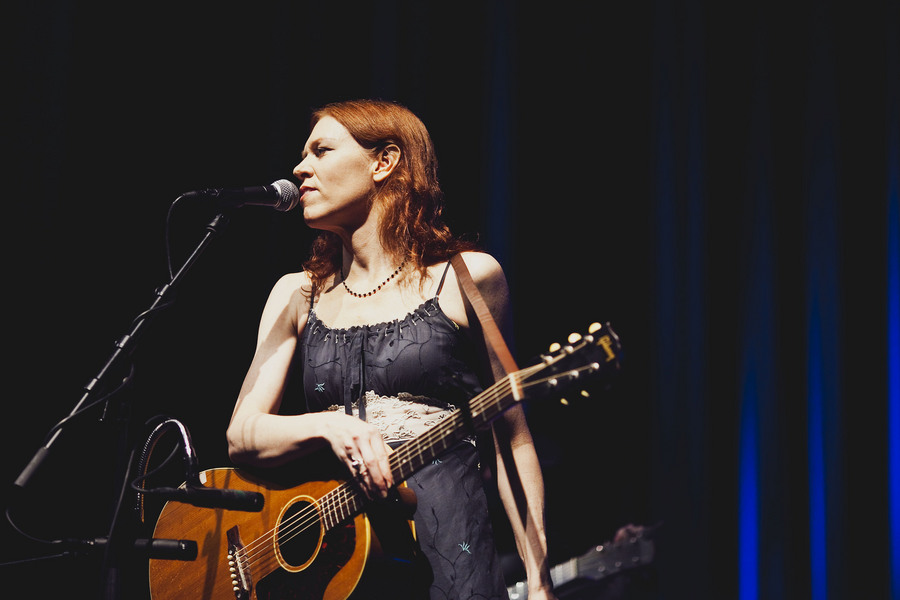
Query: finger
(376,470)
(359,473)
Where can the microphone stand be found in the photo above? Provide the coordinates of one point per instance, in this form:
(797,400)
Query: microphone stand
(124,346)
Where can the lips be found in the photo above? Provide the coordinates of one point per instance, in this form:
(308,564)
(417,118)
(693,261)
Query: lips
(304,190)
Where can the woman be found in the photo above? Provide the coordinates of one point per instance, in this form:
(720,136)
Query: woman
(386,340)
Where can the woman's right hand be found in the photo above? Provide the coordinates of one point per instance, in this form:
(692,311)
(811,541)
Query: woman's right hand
(360,447)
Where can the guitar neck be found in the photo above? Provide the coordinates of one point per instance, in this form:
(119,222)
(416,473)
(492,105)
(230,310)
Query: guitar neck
(480,412)
(564,572)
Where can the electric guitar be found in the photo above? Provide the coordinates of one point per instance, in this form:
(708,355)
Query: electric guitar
(316,534)
(598,562)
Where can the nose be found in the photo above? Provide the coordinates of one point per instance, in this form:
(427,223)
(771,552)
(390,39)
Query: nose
(302,170)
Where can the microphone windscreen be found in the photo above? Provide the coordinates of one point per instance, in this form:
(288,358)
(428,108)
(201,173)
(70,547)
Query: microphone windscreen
(288,195)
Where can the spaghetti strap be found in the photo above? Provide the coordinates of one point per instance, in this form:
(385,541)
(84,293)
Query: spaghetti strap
(443,277)
(312,302)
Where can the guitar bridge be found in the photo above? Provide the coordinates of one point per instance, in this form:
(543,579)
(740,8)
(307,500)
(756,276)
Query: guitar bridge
(241,582)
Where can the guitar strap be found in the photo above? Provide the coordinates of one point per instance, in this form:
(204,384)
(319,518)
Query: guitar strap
(488,325)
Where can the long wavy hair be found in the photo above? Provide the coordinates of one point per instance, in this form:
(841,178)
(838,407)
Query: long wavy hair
(410,199)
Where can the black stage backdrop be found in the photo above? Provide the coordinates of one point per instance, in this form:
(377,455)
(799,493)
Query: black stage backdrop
(713,179)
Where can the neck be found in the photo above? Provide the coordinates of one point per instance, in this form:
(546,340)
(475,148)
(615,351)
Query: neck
(368,267)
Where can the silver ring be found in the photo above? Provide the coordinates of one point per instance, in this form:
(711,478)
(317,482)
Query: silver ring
(356,464)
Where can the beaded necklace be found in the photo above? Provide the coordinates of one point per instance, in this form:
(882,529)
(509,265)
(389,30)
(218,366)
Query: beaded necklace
(380,285)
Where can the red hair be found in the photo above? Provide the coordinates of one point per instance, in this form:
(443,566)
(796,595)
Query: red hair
(410,199)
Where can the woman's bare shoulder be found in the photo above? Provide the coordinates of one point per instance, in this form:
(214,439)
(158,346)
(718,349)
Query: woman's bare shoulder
(485,269)
(291,290)
(481,264)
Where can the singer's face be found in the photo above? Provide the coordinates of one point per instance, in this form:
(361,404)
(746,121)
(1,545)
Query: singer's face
(336,178)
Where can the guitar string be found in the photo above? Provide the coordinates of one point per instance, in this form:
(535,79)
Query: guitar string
(338,497)
(345,495)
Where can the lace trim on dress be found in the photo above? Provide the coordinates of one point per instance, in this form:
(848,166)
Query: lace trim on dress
(403,417)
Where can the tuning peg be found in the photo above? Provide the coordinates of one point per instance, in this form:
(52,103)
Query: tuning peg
(595,327)
(554,347)
(574,337)
(585,394)
(563,401)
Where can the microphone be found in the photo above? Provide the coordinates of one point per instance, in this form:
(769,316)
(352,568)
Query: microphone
(213,497)
(282,195)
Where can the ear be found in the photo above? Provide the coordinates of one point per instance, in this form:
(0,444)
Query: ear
(386,161)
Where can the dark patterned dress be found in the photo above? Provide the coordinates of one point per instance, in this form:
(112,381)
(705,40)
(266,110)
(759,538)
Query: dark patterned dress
(404,376)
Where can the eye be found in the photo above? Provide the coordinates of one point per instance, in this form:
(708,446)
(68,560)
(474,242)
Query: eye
(321,150)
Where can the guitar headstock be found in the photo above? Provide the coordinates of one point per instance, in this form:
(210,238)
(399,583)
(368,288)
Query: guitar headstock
(584,359)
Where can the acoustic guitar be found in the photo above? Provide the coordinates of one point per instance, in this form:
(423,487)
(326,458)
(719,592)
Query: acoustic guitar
(317,537)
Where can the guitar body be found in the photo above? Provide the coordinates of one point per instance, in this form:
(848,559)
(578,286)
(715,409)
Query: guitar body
(283,551)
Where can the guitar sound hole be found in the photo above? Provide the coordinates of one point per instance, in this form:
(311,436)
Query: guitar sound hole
(298,533)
